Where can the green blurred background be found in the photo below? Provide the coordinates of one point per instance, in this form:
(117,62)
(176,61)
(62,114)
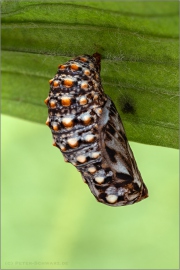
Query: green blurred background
(50,220)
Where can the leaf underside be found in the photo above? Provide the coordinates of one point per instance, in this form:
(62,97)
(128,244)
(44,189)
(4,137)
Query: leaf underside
(138,42)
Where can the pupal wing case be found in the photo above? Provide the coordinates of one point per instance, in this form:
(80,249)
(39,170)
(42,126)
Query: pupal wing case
(87,128)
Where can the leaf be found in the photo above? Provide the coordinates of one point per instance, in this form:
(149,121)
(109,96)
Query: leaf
(138,42)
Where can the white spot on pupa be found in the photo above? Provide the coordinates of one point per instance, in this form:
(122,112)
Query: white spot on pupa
(99,179)
(95,154)
(92,93)
(96,96)
(73,142)
(81,158)
(92,169)
(98,111)
(111,198)
(116,135)
(89,138)
(91,65)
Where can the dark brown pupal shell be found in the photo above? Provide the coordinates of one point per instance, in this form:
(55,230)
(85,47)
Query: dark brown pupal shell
(87,128)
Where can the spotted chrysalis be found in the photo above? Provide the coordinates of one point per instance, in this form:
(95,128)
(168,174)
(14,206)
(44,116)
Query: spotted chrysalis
(88,130)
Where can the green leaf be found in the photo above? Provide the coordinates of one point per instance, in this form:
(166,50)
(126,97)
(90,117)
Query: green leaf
(138,42)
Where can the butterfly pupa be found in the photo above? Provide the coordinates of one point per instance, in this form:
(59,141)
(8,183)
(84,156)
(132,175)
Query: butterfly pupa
(88,130)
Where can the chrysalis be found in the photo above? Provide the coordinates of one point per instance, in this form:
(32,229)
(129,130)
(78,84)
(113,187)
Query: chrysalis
(87,128)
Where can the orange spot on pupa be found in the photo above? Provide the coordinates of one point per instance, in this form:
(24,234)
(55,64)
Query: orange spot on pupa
(62,147)
(87,72)
(83,59)
(67,122)
(86,118)
(55,127)
(95,85)
(54,144)
(62,66)
(74,67)
(46,100)
(66,101)
(68,83)
(56,83)
(47,121)
(84,85)
(65,159)
(98,111)
(83,100)
(50,81)
(52,103)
